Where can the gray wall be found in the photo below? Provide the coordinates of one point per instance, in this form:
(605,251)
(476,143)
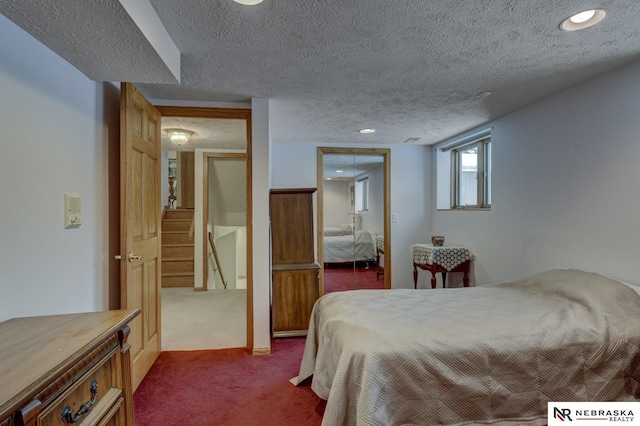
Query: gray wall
(58,131)
(565,186)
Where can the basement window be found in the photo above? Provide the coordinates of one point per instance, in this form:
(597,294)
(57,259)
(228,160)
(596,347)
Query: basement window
(463,172)
(471,175)
(362,194)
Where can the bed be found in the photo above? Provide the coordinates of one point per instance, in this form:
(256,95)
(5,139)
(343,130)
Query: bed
(490,354)
(349,246)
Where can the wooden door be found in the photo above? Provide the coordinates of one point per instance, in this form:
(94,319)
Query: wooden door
(140,223)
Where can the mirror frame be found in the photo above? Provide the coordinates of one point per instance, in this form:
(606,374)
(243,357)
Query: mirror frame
(384,152)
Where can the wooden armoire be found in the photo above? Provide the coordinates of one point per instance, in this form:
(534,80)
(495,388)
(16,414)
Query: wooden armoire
(295,286)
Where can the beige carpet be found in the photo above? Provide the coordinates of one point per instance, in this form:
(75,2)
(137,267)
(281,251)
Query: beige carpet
(192,320)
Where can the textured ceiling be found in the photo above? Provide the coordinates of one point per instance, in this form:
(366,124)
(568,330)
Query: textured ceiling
(208,133)
(409,68)
(98,38)
(350,166)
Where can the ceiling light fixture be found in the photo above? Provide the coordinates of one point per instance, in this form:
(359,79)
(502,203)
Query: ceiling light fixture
(339,171)
(367,131)
(248,2)
(583,20)
(179,136)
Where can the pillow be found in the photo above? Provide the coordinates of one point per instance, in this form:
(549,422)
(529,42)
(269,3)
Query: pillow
(347,229)
(633,287)
(332,231)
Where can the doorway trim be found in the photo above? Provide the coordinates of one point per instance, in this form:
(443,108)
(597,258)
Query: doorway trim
(232,114)
(386,154)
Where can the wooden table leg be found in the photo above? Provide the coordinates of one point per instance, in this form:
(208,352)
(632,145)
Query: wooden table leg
(465,279)
(444,280)
(415,277)
(433,279)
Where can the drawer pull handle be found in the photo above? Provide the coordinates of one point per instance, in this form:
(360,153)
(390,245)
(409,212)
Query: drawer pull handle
(67,412)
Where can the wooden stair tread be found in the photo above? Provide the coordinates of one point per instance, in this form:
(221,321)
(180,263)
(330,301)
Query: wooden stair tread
(177,274)
(178,245)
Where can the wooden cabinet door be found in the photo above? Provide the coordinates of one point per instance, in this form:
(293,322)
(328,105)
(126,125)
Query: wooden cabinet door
(294,293)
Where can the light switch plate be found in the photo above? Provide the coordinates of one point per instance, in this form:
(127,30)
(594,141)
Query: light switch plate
(72,210)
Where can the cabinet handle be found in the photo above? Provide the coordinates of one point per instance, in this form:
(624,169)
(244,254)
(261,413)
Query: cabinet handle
(67,412)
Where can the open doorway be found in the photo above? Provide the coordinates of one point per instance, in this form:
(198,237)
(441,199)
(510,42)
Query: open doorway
(213,310)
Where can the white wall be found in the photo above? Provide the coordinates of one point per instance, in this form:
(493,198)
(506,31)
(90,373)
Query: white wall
(336,203)
(294,166)
(565,186)
(57,127)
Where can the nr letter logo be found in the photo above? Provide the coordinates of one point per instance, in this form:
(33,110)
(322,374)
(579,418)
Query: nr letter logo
(562,414)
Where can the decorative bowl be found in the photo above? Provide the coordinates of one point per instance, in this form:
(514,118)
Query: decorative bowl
(437,240)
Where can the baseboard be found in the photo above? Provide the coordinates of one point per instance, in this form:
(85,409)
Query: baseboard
(261,351)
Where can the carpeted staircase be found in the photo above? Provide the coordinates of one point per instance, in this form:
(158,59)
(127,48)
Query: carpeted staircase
(177,248)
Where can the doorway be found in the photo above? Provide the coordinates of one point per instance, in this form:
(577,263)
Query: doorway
(229,137)
(354,238)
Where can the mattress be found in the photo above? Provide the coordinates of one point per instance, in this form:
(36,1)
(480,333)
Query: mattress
(347,248)
(491,354)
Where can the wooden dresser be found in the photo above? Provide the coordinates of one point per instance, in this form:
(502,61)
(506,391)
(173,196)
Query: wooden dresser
(65,369)
(295,285)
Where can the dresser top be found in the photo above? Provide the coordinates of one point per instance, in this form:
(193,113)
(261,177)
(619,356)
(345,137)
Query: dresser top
(36,350)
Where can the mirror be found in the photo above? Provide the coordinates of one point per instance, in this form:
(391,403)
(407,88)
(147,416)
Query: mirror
(353,218)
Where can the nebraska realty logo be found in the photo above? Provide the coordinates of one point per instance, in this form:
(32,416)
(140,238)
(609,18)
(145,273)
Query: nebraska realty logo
(593,413)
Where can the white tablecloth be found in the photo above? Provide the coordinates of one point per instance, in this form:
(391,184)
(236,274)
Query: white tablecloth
(447,256)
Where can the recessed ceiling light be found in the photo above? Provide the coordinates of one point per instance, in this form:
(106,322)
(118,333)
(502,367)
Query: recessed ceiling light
(583,20)
(365,131)
(339,171)
(581,17)
(248,2)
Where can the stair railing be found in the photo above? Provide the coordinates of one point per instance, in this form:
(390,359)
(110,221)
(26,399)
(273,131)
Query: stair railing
(217,266)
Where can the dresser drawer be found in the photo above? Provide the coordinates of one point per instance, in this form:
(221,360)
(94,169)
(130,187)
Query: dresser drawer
(88,400)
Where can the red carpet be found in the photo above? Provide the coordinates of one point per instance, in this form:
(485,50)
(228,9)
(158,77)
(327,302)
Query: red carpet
(227,387)
(343,277)
(231,387)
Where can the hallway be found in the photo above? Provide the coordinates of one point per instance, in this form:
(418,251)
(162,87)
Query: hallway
(193,320)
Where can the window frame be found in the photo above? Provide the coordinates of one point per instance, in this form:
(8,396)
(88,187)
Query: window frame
(363,183)
(483,178)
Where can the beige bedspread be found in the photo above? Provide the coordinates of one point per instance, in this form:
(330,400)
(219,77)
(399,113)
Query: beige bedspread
(491,354)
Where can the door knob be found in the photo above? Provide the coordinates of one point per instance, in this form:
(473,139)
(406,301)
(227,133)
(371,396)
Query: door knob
(131,257)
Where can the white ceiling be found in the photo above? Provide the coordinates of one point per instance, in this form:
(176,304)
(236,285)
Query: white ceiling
(349,165)
(409,68)
(207,133)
